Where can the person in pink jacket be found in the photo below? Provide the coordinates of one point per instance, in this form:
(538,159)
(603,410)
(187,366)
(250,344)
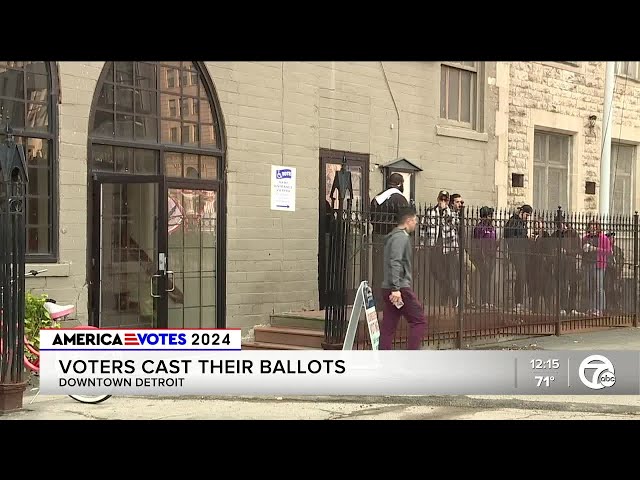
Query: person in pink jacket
(597,249)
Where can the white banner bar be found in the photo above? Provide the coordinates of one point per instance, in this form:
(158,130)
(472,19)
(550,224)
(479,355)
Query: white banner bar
(319,372)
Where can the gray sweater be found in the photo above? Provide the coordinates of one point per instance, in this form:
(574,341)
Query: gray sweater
(397,260)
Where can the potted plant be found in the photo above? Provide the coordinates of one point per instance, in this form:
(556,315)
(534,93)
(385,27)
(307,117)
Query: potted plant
(35,318)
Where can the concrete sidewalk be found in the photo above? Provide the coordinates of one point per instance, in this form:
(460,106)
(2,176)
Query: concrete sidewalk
(614,338)
(444,407)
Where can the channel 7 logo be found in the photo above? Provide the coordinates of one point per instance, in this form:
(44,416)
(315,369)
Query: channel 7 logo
(597,372)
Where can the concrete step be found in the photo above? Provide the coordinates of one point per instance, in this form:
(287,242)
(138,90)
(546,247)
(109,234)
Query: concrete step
(272,346)
(311,321)
(70,323)
(301,337)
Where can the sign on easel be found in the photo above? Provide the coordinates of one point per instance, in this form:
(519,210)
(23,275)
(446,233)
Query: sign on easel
(364,301)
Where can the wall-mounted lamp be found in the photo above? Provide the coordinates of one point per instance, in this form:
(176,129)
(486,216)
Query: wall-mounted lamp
(592,121)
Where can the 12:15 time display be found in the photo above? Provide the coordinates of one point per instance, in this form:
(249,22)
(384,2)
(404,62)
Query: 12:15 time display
(538,363)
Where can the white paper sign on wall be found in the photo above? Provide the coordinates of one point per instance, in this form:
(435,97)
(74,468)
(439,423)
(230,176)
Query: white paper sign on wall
(283,188)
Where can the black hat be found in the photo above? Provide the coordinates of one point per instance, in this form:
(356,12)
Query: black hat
(443,193)
(526,208)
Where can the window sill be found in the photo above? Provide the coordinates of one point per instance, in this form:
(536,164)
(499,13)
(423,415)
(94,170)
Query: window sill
(628,77)
(571,67)
(445,131)
(52,269)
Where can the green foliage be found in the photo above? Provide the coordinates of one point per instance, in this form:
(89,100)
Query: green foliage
(36,317)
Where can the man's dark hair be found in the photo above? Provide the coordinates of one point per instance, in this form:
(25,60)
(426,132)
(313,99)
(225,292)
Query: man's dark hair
(395,180)
(486,212)
(404,213)
(454,196)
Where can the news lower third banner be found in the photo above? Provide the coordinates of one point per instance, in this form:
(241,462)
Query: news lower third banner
(210,362)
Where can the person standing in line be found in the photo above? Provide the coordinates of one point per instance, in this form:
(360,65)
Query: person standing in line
(384,210)
(441,234)
(456,202)
(484,245)
(570,250)
(516,235)
(541,260)
(597,249)
(613,280)
(397,291)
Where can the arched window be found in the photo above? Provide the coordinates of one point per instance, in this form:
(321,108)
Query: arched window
(153,104)
(150,119)
(28,99)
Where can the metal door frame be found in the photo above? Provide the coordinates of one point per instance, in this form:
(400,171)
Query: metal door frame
(99,179)
(213,186)
(353,159)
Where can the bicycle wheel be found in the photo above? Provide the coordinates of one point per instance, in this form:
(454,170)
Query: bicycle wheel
(90,398)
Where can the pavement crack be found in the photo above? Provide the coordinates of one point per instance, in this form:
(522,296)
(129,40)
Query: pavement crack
(85,415)
(461,401)
(370,411)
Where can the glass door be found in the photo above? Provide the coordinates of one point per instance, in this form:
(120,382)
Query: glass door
(131,281)
(193,252)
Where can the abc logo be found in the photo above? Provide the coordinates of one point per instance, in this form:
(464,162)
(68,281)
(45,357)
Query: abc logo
(597,372)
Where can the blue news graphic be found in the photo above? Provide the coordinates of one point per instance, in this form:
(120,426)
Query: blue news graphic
(114,339)
(155,339)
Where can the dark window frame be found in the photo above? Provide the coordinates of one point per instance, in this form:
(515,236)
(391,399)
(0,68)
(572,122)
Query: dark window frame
(52,137)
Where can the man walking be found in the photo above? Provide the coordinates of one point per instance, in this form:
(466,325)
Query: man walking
(399,298)
(384,210)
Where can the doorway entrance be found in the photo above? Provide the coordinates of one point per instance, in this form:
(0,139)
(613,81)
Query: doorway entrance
(155,258)
(129,258)
(358,165)
(156,198)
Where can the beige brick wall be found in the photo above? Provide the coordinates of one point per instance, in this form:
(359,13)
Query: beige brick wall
(282,113)
(555,97)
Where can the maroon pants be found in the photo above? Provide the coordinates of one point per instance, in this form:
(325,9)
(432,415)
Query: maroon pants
(411,310)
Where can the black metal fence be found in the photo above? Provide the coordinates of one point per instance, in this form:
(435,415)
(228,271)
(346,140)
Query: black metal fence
(13,184)
(494,277)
